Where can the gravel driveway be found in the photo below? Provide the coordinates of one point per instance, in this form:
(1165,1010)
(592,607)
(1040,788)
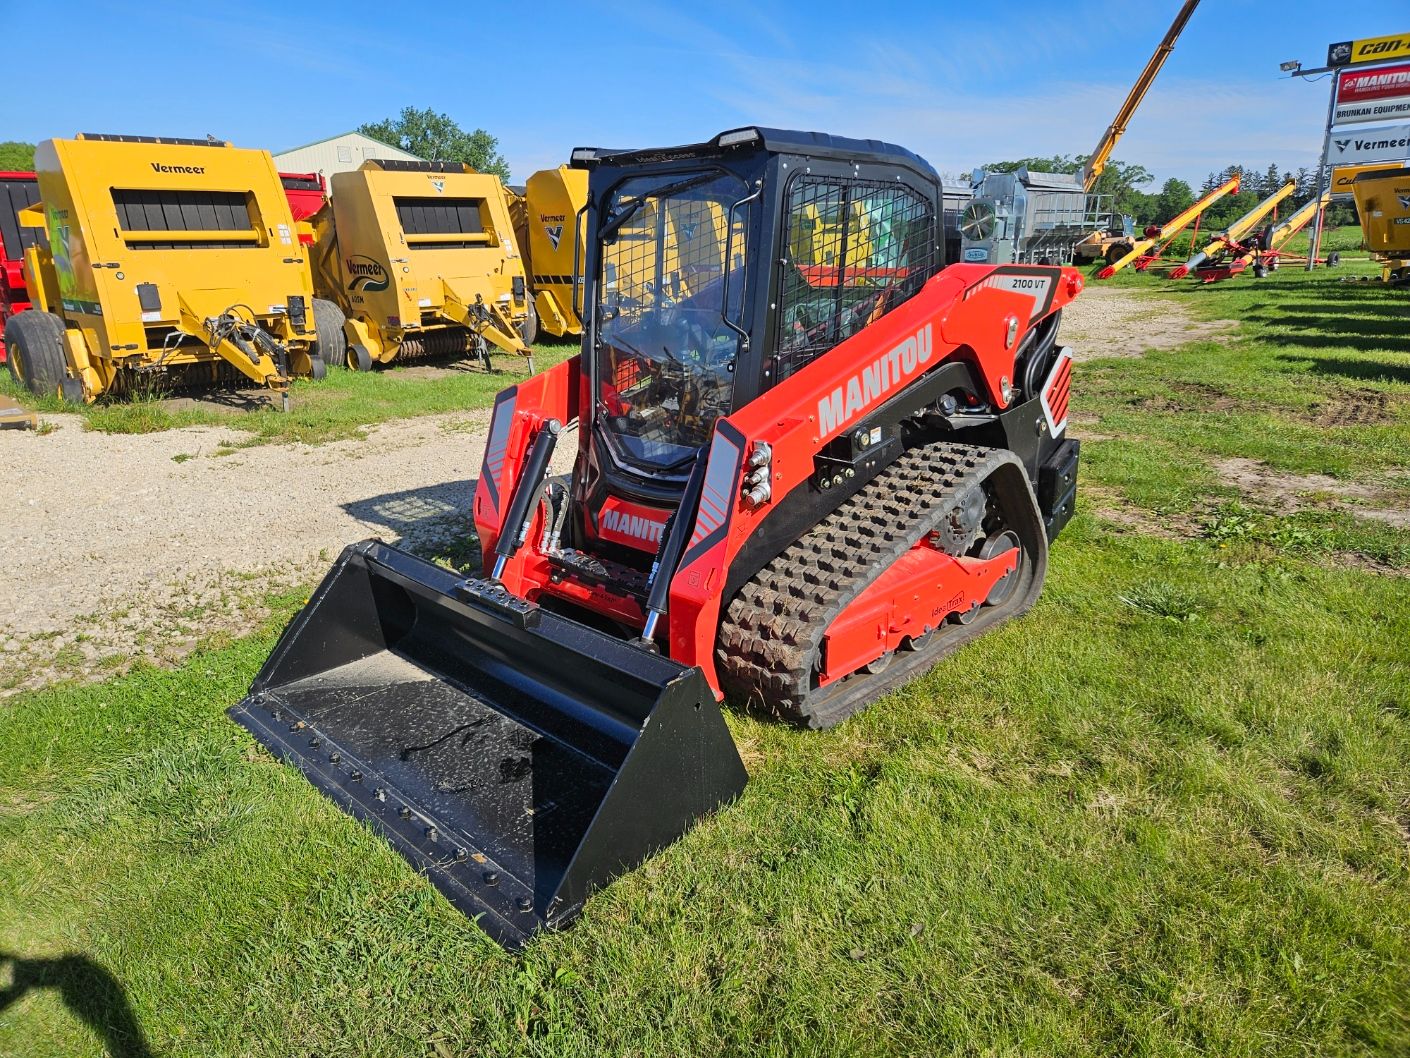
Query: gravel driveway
(125,546)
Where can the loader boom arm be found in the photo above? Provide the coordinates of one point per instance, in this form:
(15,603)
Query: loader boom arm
(1097,161)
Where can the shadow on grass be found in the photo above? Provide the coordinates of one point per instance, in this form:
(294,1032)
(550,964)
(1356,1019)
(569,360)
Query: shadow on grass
(1361,370)
(88,990)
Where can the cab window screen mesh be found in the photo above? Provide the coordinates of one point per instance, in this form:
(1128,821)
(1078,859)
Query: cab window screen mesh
(856,249)
(439,216)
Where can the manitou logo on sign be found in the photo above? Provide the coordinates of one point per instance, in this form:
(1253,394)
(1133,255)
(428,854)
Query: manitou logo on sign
(887,372)
(638,528)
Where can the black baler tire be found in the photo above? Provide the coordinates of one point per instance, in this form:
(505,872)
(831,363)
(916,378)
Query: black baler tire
(35,343)
(331,343)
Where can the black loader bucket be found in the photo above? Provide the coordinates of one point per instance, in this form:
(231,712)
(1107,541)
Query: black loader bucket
(518,758)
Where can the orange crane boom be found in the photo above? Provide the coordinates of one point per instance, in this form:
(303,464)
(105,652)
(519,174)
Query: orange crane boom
(1172,227)
(1096,161)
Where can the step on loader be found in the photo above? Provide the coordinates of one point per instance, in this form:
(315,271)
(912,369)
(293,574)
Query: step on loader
(811,462)
(162,257)
(548,222)
(420,258)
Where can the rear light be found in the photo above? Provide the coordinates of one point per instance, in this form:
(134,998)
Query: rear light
(517,285)
(298,312)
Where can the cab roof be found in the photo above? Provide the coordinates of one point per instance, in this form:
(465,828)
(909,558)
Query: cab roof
(775,141)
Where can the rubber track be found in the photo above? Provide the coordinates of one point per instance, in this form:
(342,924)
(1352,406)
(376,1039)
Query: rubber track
(772,632)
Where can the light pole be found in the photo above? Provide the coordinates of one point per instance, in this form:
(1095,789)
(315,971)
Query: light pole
(1294,69)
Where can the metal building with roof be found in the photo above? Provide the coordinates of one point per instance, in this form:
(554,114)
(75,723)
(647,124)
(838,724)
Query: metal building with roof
(338,154)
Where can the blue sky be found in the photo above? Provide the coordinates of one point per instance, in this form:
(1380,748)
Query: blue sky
(961,84)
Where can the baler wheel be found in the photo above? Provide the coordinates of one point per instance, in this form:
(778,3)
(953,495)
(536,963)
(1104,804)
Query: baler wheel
(529,328)
(35,341)
(331,344)
(358,358)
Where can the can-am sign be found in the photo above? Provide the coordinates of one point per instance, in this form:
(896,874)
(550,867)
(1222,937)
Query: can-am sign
(1390,143)
(1372,49)
(1378,94)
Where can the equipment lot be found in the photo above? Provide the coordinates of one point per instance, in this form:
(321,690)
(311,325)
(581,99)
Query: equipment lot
(1169,814)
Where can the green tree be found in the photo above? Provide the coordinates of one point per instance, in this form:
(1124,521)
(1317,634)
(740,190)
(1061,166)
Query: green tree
(437,136)
(1175,197)
(16,156)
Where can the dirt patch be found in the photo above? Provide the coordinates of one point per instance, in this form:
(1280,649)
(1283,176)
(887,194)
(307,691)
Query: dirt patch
(1115,321)
(220,401)
(1287,493)
(1358,407)
(1193,397)
(1113,508)
(121,547)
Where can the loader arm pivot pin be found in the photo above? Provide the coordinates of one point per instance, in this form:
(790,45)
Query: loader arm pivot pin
(516,520)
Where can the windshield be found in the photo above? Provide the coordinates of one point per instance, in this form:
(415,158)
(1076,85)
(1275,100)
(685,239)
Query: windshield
(664,352)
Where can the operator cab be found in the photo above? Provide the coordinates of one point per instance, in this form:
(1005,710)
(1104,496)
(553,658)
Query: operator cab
(712,272)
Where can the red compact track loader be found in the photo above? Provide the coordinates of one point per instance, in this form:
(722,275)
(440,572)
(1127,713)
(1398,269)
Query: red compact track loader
(811,461)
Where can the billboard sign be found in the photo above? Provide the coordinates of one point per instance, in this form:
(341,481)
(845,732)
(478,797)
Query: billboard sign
(1380,93)
(1343,176)
(1372,49)
(1388,143)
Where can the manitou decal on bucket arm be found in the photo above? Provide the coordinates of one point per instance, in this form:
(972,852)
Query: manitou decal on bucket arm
(811,463)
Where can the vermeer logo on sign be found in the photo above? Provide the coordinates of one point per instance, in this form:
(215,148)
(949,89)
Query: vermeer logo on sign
(368,275)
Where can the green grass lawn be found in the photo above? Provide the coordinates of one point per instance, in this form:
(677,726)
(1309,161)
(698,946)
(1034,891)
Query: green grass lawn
(337,407)
(1167,813)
